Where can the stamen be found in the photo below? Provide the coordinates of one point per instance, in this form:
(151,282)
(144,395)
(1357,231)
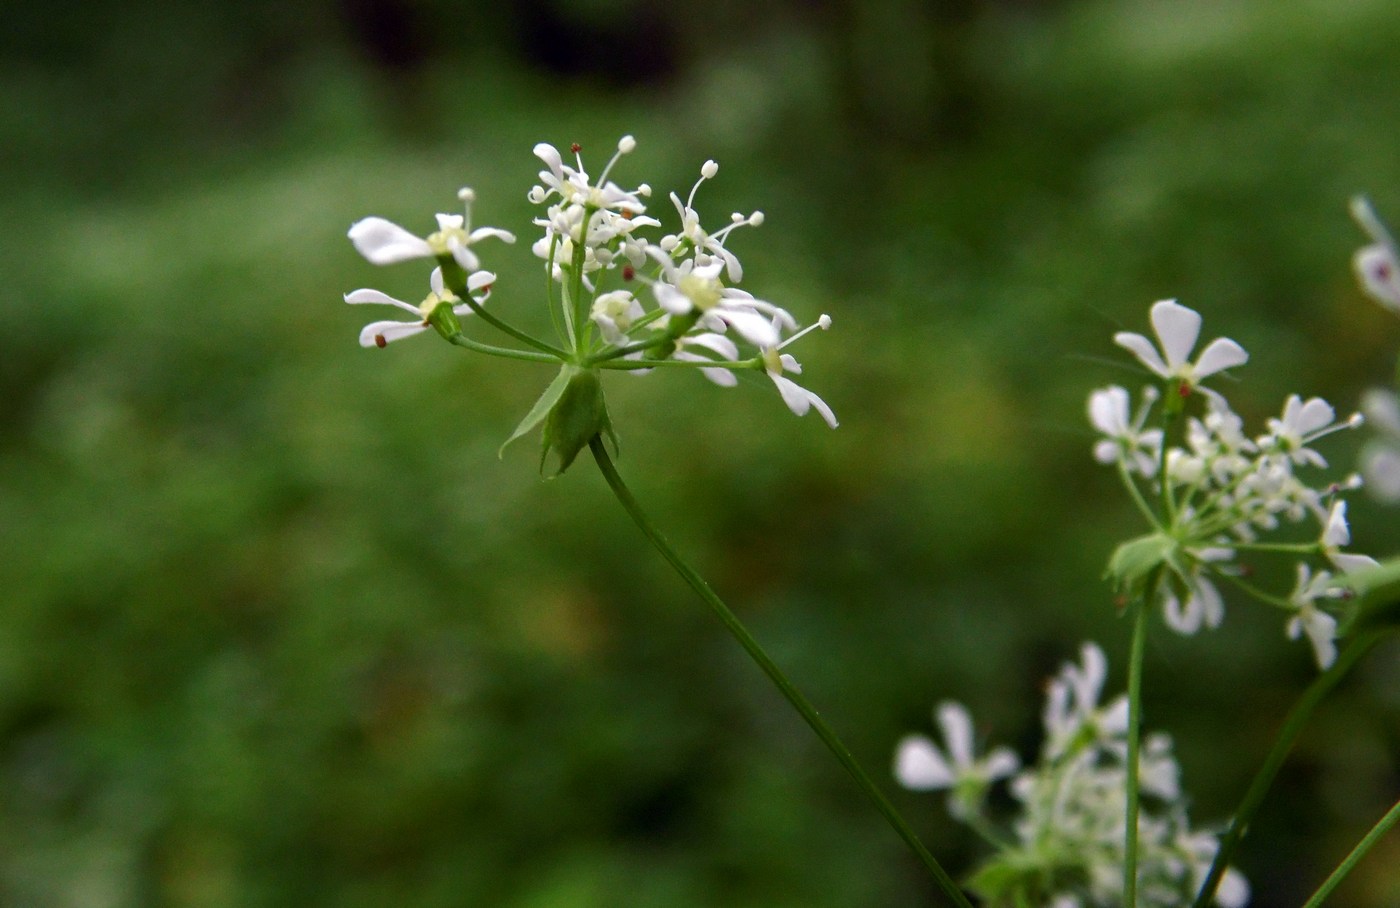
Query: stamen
(380,342)
(628,272)
(707,171)
(824,322)
(624,146)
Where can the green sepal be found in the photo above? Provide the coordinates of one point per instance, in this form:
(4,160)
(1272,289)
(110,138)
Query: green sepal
(541,409)
(445,321)
(1377,599)
(1134,561)
(577,417)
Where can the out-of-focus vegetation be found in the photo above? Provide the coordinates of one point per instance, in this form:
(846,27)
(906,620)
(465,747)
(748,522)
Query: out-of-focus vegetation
(276,626)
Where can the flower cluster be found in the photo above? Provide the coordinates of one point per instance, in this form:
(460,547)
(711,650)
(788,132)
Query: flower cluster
(1065,847)
(1213,494)
(1378,268)
(618,299)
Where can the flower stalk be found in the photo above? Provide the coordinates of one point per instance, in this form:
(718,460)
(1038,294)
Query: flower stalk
(799,702)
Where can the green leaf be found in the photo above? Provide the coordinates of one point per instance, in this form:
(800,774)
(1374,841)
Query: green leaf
(578,416)
(542,406)
(1136,559)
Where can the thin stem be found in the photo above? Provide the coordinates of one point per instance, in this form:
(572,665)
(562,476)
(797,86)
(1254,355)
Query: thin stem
(1292,727)
(462,340)
(455,279)
(1136,495)
(1381,828)
(1130,836)
(780,680)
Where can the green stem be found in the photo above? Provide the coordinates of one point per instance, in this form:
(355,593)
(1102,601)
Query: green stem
(780,680)
(1381,828)
(674,363)
(456,280)
(1135,659)
(1292,727)
(462,340)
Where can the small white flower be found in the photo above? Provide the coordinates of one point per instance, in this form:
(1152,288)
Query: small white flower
(1380,459)
(613,313)
(1335,534)
(716,345)
(1204,604)
(1177,329)
(574,186)
(1301,424)
(379,334)
(695,235)
(694,285)
(921,765)
(1320,627)
(383,242)
(1110,411)
(1072,704)
(1377,265)
(798,399)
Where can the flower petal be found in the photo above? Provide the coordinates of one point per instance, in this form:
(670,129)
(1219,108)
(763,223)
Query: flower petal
(378,334)
(1376,268)
(383,242)
(367,295)
(1222,353)
(1144,350)
(919,765)
(1178,328)
(751,326)
(957,733)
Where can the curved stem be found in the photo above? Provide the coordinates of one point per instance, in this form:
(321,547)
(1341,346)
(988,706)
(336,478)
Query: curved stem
(461,340)
(1381,828)
(780,680)
(1292,727)
(1130,835)
(455,279)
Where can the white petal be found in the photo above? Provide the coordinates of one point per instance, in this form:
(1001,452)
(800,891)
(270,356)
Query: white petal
(463,255)
(1221,353)
(671,299)
(793,395)
(1233,891)
(1181,619)
(550,155)
(482,233)
(1143,349)
(751,326)
(374,296)
(1108,410)
(1177,328)
(387,332)
(957,733)
(480,279)
(919,765)
(1001,763)
(722,377)
(1350,564)
(716,342)
(385,243)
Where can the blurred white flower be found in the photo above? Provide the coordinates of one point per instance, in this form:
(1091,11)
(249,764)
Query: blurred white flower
(922,765)
(1177,329)
(1320,627)
(1377,265)
(1110,411)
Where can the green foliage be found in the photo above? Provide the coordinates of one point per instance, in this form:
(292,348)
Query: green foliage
(252,654)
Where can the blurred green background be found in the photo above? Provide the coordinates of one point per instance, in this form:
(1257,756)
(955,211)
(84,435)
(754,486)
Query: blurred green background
(278,629)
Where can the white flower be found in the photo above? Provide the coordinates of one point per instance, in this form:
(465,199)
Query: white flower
(1335,534)
(1204,604)
(1301,424)
(385,243)
(574,186)
(379,334)
(1072,705)
(1177,329)
(694,285)
(798,399)
(613,313)
(700,241)
(1110,412)
(1380,459)
(921,765)
(1377,265)
(1320,627)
